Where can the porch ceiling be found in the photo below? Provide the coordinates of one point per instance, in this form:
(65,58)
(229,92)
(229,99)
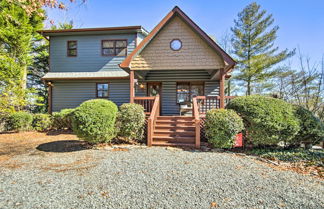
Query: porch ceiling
(177,75)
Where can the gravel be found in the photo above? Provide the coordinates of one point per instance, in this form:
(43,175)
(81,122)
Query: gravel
(156,177)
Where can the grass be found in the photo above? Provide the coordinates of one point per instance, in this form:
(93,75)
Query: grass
(310,157)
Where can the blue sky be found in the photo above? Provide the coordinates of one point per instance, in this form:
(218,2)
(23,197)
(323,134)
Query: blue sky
(301,22)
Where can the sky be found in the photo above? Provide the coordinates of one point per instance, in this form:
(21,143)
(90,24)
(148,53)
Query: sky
(301,22)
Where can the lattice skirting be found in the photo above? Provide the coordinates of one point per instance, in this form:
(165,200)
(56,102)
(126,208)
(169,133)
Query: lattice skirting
(202,130)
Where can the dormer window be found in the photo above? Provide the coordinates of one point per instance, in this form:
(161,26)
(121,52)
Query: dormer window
(114,47)
(72,48)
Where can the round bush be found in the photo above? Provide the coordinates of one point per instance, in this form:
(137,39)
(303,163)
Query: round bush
(42,122)
(311,128)
(221,127)
(63,119)
(94,120)
(20,121)
(267,120)
(131,121)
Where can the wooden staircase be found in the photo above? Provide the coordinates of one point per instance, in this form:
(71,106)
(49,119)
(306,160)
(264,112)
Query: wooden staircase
(174,131)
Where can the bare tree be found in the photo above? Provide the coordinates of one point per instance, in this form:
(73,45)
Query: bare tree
(304,86)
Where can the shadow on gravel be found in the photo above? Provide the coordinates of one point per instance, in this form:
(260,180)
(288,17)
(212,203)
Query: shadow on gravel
(58,132)
(63,146)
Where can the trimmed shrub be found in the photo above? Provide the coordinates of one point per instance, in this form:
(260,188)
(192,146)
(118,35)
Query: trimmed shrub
(20,121)
(131,121)
(42,122)
(3,122)
(311,128)
(63,119)
(221,127)
(267,120)
(94,120)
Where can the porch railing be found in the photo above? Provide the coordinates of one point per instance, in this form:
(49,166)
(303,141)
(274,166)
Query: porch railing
(152,119)
(146,102)
(206,103)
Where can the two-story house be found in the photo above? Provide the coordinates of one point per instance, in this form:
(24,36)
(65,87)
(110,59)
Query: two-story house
(174,63)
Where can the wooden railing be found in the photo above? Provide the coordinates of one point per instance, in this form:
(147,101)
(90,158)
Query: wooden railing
(146,102)
(195,113)
(206,103)
(152,119)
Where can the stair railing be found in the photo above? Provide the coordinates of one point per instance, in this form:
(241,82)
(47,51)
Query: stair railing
(195,113)
(146,102)
(152,119)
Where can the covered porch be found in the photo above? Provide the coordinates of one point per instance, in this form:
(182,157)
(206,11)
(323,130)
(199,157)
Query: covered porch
(176,89)
(172,127)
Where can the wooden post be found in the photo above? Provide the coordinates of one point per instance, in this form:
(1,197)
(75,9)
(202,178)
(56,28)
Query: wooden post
(49,97)
(197,138)
(222,88)
(197,122)
(131,87)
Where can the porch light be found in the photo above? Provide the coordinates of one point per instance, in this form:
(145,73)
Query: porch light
(141,86)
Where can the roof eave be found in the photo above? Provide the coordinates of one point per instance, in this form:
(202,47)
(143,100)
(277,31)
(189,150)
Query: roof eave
(134,29)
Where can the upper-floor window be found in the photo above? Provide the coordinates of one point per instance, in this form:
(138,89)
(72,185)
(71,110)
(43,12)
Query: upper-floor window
(114,47)
(102,90)
(72,48)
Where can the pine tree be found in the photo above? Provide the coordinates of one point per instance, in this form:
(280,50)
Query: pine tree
(253,45)
(17,29)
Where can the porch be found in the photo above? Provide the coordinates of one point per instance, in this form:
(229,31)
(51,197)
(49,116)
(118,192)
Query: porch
(168,126)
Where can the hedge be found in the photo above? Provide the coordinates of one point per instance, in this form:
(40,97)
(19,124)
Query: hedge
(131,121)
(311,128)
(267,120)
(221,127)
(42,122)
(94,120)
(63,119)
(19,121)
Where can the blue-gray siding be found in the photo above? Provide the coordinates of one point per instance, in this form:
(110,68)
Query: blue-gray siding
(89,58)
(70,94)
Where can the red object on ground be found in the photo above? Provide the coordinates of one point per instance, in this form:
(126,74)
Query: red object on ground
(239,140)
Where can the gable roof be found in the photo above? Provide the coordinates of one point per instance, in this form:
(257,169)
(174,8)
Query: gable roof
(177,11)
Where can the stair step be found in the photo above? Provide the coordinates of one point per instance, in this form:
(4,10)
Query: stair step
(173,144)
(167,131)
(174,133)
(174,128)
(175,117)
(171,139)
(175,123)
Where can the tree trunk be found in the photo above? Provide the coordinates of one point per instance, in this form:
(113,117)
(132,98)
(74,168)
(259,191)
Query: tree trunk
(248,91)
(23,82)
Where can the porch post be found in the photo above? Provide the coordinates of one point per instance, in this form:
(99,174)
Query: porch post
(49,97)
(131,87)
(222,88)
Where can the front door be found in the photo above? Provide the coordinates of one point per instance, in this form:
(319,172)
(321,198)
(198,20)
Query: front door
(153,89)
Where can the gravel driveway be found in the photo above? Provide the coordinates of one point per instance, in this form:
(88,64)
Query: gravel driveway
(150,178)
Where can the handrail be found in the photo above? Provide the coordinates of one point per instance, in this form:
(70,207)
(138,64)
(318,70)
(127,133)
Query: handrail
(197,121)
(151,120)
(144,98)
(146,102)
(206,103)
